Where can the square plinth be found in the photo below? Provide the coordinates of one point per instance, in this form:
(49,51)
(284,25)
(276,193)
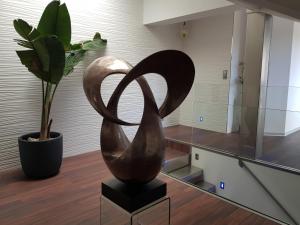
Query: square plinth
(133,197)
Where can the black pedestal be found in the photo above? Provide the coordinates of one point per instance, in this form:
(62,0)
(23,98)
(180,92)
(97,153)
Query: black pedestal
(133,197)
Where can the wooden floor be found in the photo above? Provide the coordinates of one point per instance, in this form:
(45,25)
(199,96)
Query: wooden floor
(72,198)
(283,151)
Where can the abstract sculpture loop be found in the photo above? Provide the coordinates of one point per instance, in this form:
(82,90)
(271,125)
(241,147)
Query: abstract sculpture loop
(139,161)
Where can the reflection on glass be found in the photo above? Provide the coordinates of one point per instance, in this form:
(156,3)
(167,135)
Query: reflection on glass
(237,106)
(221,112)
(245,104)
(281,141)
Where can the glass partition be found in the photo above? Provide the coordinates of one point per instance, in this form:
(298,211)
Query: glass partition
(221,111)
(245,104)
(245,98)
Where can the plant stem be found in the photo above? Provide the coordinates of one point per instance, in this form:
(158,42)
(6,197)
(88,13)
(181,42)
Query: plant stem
(49,110)
(44,133)
(43,112)
(43,90)
(52,96)
(49,128)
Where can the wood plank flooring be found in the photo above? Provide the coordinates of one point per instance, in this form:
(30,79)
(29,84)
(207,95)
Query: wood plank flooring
(72,198)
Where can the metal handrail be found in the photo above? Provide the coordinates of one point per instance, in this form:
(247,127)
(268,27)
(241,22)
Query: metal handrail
(243,165)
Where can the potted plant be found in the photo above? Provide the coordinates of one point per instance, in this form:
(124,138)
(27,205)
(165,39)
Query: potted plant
(49,56)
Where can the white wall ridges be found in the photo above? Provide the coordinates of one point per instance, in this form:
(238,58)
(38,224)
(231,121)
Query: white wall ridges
(121,22)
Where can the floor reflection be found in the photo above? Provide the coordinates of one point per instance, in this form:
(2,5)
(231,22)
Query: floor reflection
(230,143)
(284,151)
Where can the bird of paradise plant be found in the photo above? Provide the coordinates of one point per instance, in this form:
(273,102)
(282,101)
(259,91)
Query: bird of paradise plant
(50,55)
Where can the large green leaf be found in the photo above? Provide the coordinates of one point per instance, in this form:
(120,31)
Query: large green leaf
(30,59)
(56,21)
(63,28)
(72,59)
(94,45)
(57,59)
(47,61)
(41,49)
(78,50)
(77,46)
(51,54)
(25,30)
(23,43)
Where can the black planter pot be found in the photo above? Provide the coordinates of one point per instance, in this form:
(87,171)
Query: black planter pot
(41,159)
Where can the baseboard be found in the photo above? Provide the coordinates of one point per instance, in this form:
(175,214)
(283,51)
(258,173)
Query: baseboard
(282,134)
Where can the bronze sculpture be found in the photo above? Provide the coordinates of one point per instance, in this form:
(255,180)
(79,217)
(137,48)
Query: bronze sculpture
(141,160)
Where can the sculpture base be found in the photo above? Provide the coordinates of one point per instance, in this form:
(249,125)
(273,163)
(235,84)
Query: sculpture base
(133,197)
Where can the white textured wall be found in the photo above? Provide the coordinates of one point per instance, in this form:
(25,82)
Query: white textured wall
(121,22)
(209,46)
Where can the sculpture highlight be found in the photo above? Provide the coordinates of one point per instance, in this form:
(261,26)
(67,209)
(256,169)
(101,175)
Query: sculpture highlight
(140,161)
